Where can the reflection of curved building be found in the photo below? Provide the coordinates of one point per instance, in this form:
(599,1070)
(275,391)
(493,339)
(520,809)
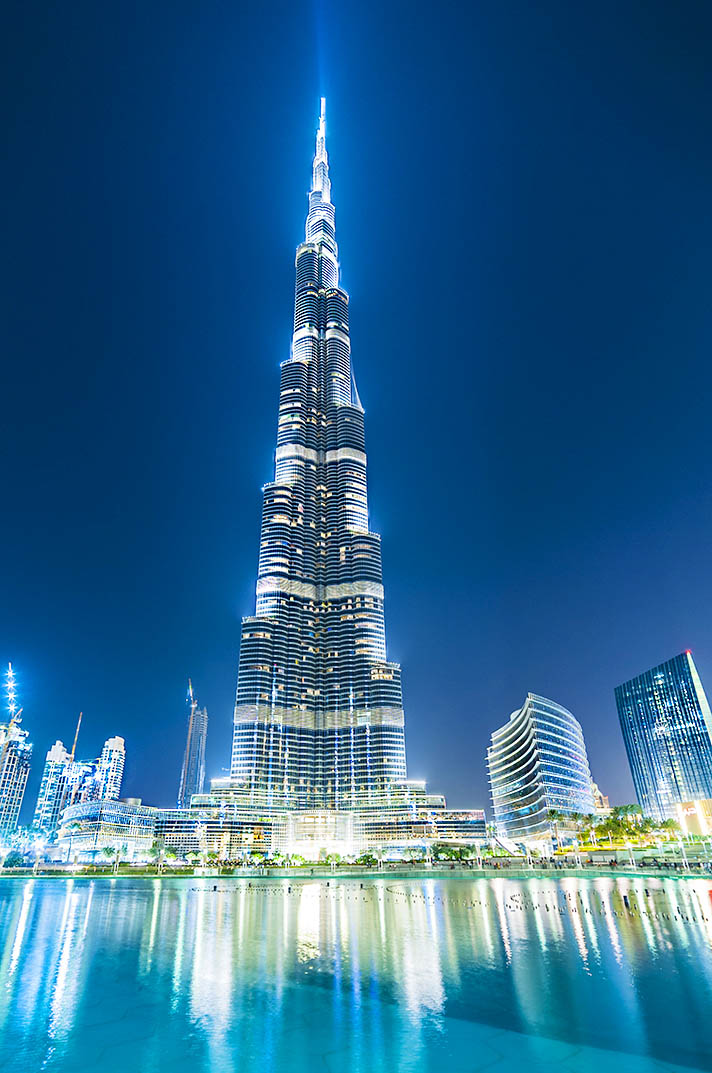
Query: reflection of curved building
(537,762)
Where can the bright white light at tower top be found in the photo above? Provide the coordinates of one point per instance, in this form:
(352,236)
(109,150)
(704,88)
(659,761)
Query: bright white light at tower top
(11,690)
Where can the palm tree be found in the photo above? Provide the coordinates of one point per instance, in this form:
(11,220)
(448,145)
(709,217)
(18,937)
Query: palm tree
(156,851)
(73,828)
(109,851)
(553,815)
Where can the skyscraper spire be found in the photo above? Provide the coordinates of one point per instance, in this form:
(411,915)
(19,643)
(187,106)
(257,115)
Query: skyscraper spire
(320,167)
(320,225)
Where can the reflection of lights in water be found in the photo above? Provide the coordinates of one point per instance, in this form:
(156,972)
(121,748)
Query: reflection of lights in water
(539,911)
(419,954)
(178,952)
(604,888)
(374,968)
(588,917)
(308,922)
(704,908)
(21,925)
(285,914)
(204,939)
(62,1005)
(498,890)
(482,892)
(638,888)
(674,895)
(154,921)
(382,915)
(242,896)
(570,887)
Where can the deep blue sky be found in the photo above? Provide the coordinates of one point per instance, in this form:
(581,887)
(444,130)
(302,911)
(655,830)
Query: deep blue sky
(523,213)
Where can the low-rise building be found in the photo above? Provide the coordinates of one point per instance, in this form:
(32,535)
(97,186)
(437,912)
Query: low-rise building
(215,824)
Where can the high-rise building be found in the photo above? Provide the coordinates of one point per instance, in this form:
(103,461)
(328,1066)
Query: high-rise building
(192,776)
(537,764)
(109,770)
(319,715)
(667,729)
(50,799)
(66,781)
(15,754)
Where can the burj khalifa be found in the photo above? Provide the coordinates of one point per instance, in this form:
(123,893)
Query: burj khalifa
(318,718)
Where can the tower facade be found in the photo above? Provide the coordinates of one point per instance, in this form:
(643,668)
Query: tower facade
(537,763)
(109,770)
(55,788)
(15,755)
(318,718)
(192,776)
(667,729)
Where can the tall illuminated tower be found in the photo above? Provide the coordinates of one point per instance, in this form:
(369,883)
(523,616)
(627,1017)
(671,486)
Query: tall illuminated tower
(15,754)
(319,715)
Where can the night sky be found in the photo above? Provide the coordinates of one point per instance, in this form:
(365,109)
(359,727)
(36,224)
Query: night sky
(523,213)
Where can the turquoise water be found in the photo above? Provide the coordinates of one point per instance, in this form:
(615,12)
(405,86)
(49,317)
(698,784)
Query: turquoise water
(403,975)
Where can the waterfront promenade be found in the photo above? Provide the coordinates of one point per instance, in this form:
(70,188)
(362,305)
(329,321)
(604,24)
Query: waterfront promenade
(512,867)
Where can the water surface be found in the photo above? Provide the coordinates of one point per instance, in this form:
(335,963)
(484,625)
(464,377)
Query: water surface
(400,975)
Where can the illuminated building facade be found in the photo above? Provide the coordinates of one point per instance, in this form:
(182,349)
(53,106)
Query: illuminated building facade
(537,764)
(319,714)
(695,818)
(109,771)
(234,832)
(62,781)
(667,728)
(66,781)
(15,755)
(192,776)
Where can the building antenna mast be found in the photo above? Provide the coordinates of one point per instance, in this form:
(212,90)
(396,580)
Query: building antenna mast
(76,733)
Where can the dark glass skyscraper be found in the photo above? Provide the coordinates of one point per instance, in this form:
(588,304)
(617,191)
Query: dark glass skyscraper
(667,728)
(319,714)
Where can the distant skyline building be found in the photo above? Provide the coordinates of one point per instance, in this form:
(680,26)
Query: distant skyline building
(600,800)
(15,756)
(109,770)
(667,729)
(62,779)
(192,776)
(66,781)
(537,763)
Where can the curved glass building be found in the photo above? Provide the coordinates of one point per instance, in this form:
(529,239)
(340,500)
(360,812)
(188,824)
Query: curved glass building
(536,763)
